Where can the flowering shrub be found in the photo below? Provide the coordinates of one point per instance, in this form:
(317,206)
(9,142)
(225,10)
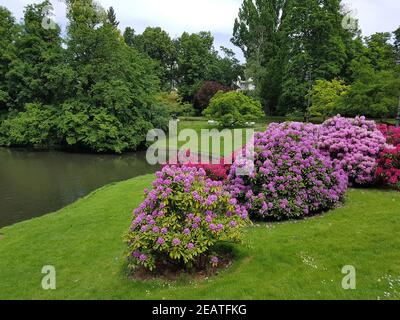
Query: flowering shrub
(391,133)
(388,171)
(182,219)
(291,177)
(354,145)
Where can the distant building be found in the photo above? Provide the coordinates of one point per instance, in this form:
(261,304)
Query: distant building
(245,85)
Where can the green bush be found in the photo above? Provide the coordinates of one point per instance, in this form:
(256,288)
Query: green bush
(172,104)
(35,126)
(233,109)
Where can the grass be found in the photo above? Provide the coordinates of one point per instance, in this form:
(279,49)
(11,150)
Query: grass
(292,260)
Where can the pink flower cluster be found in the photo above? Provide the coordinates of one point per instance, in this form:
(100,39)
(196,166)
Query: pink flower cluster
(292,178)
(354,145)
(182,218)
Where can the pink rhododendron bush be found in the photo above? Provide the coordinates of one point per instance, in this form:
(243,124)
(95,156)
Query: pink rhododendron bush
(182,219)
(291,178)
(354,145)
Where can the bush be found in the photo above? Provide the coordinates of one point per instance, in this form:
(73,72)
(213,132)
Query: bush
(233,109)
(391,133)
(182,219)
(205,94)
(291,178)
(354,145)
(173,105)
(388,171)
(35,126)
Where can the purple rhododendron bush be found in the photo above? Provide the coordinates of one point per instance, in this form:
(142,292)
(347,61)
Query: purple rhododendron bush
(182,219)
(354,145)
(291,178)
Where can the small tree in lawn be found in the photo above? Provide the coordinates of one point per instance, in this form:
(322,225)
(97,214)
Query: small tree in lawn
(233,109)
(324,96)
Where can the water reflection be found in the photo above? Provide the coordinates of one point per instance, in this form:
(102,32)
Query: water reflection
(33,183)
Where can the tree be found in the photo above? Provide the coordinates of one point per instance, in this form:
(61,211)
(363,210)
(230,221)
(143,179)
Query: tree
(111,106)
(324,97)
(233,109)
(314,49)
(205,94)
(196,60)
(257,31)
(112,17)
(37,73)
(8,31)
(130,37)
(289,45)
(157,44)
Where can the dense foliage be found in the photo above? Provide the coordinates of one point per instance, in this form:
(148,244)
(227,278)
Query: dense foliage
(291,178)
(96,89)
(290,45)
(206,92)
(182,219)
(354,145)
(95,94)
(174,106)
(233,109)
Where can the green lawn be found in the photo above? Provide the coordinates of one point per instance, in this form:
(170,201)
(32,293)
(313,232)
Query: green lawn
(303,259)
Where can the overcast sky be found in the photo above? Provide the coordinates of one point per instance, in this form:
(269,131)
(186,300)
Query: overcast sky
(217,16)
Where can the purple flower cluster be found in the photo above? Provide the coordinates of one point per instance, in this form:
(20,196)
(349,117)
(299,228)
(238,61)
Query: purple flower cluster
(354,145)
(292,178)
(183,217)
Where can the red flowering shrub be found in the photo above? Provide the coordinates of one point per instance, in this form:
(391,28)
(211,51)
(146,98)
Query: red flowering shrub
(206,92)
(391,133)
(388,171)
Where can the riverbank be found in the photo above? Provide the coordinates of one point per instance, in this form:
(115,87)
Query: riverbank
(301,260)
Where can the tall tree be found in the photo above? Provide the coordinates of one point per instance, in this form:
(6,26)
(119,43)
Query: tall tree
(112,105)
(8,31)
(112,17)
(314,49)
(196,60)
(257,31)
(158,45)
(35,72)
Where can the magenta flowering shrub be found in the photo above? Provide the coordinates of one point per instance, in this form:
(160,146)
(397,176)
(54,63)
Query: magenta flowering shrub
(291,178)
(182,219)
(354,145)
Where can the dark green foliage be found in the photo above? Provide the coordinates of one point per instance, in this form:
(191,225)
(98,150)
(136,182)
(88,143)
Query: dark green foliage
(97,94)
(112,18)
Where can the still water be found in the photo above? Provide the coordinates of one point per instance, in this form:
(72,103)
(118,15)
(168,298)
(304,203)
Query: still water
(34,183)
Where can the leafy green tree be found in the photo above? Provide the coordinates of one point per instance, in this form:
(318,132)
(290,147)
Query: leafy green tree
(257,31)
(172,103)
(324,97)
(196,61)
(37,73)
(130,36)
(8,32)
(373,93)
(111,106)
(233,109)
(314,49)
(112,17)
(158,45)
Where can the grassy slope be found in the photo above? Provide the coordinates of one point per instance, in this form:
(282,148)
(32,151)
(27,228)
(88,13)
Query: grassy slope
(288,260)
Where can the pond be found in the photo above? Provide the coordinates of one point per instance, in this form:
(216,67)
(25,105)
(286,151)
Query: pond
(34,183)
